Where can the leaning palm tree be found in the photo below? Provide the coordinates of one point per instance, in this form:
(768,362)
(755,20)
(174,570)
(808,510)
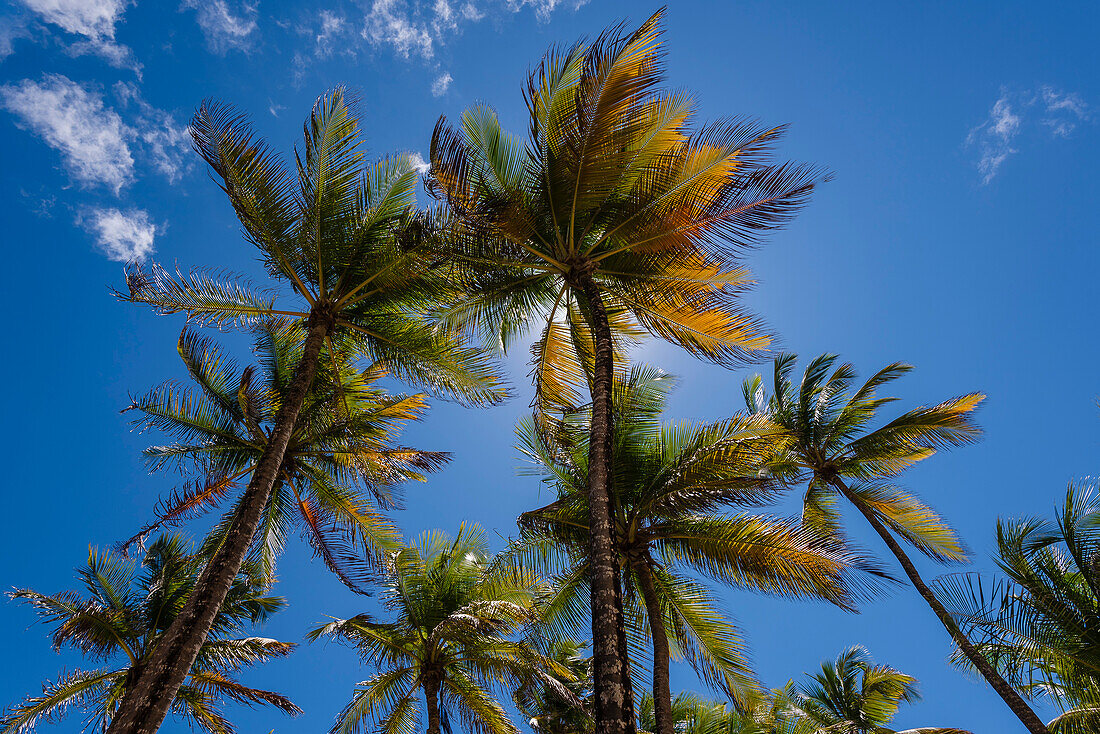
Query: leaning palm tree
(342,235)
(341,462)
(120,619)
(853,695)
(451,640)
(1040,625)
(673,483)
(832,449)
(613,220)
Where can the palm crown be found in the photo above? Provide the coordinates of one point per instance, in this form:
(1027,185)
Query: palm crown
(670,483)
(454,614)
(611,185)
(341,462)
(122,613)
(1040,624)
(853,695)
(829,439)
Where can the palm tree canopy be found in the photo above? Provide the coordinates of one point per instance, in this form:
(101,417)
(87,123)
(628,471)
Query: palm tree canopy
(1040,624)
(547,710)
(828,426)
(122,611)
(671,481)
(613,184)
(853,695)
(341,465)
(342,233)
(455,614)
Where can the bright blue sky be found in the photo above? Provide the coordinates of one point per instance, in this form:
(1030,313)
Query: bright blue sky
(960,235)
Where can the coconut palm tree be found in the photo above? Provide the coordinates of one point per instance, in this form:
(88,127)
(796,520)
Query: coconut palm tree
(122,615)
(1040,625)
(614,219)
(340,466)
(672,483)
(342,235)
(451,640)
(853,695)
(754,711)
(831,448)
(549,712)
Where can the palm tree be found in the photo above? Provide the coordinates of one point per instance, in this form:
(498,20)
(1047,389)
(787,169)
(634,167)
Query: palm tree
(341,233)
(451,639)
(123,613)
(1040,626)
(547,710)
(615,219)
(853,695)
(754,711)
(830,448)
(670,482)
(343,442)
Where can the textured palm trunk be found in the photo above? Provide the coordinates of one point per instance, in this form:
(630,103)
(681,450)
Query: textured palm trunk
(431,698)
(147,703)
(662,690)
(1008,694)
(613,716)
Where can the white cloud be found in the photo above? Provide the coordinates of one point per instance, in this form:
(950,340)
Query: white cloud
(12,27)
(122,235)
(441,84)
(388,22)
(543,8)
(223,28)
(332,26)
(91,137)
(274,109)
(166,144)
(417,162)
(93,19)
(471,13)
(1062,111)
(1014,114)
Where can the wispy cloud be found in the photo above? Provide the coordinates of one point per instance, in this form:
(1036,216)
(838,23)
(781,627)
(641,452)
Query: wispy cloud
(95,20)
(96,144)
(91,137)
(123,236)
(389,22)
(441,84)
(332,28)
(996,139)
(418,163)
(223,27)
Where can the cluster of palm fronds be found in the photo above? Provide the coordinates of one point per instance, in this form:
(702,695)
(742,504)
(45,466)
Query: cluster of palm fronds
(615,219)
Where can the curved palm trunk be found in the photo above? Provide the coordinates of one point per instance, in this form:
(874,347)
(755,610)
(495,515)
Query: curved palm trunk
(431,698)
(662,691)
(146,704)
(613,714)
(1008,694)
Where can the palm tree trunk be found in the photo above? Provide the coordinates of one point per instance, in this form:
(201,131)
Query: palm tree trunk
(611,697)
(147,703)
(431,697)
(662,691)
(1008,694)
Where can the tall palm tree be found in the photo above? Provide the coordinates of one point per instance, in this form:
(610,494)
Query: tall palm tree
(1040,625)
(853,695)
(613,220)
(672,483)
(123,613)
(341,233)
(833,450)
(340,466)
(455,614)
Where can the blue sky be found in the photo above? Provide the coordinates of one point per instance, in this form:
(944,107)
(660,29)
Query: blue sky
(959,234)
